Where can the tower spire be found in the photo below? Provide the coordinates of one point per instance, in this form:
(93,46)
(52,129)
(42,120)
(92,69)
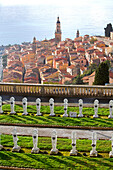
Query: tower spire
(58,32)
(34,45)
(77,34)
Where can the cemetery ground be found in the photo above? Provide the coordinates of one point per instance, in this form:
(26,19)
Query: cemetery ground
(58,120)
(44,160)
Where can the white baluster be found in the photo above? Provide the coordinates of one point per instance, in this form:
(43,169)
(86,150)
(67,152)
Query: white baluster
(16,148)
(65,108)
(73,152)
(24,102)
(1,147)
(93,152)
(111,152)
(12,103)
(80,108)
(96,105)
(54,150)
(110,109)
(38,105)
(1,111)
(35,149)
(51,103)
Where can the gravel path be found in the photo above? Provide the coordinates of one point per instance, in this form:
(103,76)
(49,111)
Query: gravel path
(101,134)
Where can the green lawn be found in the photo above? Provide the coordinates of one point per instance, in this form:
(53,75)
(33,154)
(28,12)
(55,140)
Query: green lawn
(57,110)
(62,161)
(63,144)
(62,121)
(49,162)
(87,120)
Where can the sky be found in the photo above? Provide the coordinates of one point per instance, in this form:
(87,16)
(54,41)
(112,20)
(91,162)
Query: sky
(37,2)
(38,18)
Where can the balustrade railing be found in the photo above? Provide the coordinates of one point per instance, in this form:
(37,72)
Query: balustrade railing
(70,90)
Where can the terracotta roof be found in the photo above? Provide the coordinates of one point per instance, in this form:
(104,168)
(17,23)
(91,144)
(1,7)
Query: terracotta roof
(72,66)
(69,76)
(90,48)
(80,50)
(93,74)
(85,78)
(61,58)
(110,74)
(111,43)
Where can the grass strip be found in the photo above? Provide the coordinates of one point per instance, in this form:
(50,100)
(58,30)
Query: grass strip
(61,121)
(50,162)
(63,144)
(87,120)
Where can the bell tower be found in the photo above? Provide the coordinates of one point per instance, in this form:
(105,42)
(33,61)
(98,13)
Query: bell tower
(77,34)
(34,45)
(58,32)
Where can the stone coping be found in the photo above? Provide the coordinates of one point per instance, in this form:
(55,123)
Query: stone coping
(57,126)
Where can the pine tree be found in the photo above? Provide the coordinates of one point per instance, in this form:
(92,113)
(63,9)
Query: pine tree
(102,74)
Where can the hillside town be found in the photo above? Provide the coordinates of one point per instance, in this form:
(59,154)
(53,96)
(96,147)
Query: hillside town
(55,61)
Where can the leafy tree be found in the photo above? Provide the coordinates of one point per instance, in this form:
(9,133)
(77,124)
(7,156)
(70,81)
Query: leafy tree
(17,81)
(4,57)
(92,40)
(102,74)
(108,63)
(68,82)
(78,80)
(89,70)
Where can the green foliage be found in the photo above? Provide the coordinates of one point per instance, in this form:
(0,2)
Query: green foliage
(52,82)
(89,70)
(78,80)
(108,63)
(102,74)
(4,57)
(67,83)
(92,40)
(17,81)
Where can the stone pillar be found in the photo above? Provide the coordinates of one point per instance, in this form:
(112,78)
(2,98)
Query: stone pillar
(1,111)
(54,150)
(1,147)
(35,149)
(51,103)
(38,105)
(73,152)
(12,103)
(65,108)
(93,152)
(110,109)
(96,105)
(16,148)
(24,103)
(80,108)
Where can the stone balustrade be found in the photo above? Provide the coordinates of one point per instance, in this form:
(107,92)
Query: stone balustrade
(56,90)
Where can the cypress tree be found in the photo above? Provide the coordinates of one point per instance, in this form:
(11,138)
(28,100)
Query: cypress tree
(102,74)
